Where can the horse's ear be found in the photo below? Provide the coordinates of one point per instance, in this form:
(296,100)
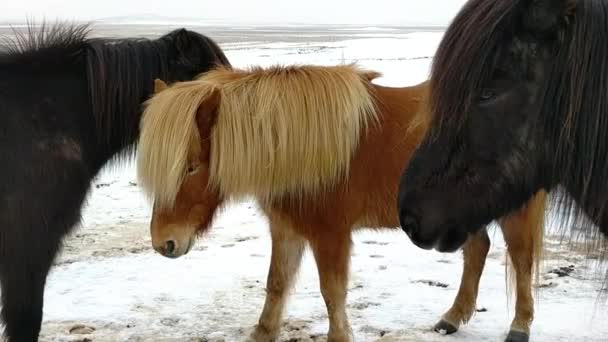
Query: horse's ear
(159,85)
(371,75)
(207,113)
(545,16)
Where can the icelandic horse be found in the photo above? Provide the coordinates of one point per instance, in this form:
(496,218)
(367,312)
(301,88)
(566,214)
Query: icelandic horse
(529,113)
(322,150)
(70,104)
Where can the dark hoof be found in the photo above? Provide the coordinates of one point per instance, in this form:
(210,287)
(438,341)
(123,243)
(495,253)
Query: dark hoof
(444,327)
(517,336)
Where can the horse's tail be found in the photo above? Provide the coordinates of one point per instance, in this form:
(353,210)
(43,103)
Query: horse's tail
(169,133)
(535,226)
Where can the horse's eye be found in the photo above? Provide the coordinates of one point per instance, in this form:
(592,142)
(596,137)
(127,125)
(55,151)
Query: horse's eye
(192,169)
(487,94)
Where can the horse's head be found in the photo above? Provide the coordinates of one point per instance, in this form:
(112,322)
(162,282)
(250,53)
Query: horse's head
(483,155)
(190,53)
(176,170)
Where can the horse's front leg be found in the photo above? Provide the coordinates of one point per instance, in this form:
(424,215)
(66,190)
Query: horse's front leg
(332,254)
(523,232)
(287,250)
(475,252)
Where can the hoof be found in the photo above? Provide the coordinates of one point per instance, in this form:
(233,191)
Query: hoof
(517,336)
(341,337)
(260,334)
(445,328)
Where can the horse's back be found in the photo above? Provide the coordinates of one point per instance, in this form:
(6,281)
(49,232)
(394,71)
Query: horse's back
(382,155)
(36,105)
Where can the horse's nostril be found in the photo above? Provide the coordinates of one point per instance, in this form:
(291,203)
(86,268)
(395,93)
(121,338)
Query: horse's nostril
(170,247)
(409,224)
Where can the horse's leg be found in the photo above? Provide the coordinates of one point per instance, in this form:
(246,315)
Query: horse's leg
(475,252)
(23,271)
(287,250)
(332,254)
(32,227)
(523,234)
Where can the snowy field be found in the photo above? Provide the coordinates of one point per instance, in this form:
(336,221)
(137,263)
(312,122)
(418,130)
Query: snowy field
(109,285)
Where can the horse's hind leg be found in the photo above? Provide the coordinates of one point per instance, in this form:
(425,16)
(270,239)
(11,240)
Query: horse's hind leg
(332,254)
(287,250)
(475,252)
(23,271)
(523,232)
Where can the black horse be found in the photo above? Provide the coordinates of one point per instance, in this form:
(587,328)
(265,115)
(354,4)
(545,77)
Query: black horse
(69,104)
(519,100)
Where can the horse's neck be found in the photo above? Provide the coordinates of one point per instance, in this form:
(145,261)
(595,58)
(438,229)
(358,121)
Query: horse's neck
(120,78)
(385,149)
(404,107)
(400,128)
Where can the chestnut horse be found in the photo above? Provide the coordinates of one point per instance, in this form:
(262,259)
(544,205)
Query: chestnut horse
(322,150)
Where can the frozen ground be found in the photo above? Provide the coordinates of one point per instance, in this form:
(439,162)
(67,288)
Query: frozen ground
(108,285)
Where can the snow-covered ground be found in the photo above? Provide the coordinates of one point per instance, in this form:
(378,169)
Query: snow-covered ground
(109,285)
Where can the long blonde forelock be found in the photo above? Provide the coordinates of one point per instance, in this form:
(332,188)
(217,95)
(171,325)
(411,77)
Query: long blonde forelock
(169,134)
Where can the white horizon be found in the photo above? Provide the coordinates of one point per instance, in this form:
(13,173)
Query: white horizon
(311,12)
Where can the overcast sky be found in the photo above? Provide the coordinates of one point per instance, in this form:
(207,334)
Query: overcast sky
(436,12)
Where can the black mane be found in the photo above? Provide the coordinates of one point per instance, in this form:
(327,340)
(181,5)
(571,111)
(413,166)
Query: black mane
(475,34)
(121,74)
(45,45)
(575,111)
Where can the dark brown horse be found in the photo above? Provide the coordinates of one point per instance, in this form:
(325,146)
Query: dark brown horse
(69,105)
(519,103)
(321,149)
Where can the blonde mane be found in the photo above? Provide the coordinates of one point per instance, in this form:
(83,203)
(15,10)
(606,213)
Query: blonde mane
(279,130)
